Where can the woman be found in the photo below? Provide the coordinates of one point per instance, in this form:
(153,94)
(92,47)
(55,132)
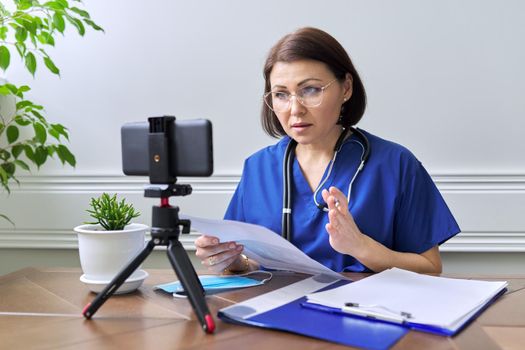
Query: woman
(395,216)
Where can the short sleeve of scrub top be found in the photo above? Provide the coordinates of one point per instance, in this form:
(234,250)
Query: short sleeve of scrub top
(393,200)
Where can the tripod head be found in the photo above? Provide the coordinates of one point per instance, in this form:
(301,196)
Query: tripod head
(165,223)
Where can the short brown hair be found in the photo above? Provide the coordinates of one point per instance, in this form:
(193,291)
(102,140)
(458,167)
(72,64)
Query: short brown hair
(314,44)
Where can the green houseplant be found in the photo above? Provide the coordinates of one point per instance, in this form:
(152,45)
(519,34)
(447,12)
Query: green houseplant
(27,29)
(110,213)
(106,245)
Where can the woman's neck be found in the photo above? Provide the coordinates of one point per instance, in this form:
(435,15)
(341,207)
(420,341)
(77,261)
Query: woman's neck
(320,150)
(314,158)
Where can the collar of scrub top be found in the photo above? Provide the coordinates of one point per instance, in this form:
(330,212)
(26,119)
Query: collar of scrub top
(361,139)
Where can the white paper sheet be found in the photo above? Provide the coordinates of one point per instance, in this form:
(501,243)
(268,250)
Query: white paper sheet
(430,300)
(263,245)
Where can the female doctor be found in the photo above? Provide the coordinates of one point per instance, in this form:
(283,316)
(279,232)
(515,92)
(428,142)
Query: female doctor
(352,201)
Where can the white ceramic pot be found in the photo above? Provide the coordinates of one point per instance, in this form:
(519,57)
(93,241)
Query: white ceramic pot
(103,254)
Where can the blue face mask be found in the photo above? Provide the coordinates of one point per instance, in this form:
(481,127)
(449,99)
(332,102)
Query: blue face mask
(215,284)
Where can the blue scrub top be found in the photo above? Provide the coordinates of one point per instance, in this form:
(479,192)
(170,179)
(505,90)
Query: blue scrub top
(393,200)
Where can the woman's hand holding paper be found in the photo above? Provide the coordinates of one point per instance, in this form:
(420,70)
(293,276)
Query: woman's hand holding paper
(215,255)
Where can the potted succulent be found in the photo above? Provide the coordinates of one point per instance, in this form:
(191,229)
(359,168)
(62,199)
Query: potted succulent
(107,244)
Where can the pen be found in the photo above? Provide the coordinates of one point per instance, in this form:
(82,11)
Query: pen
(372,314)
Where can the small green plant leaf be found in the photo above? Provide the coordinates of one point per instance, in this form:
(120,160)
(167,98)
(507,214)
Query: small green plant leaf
(5,57)
(4,90)
(7,219)
(61,130)
(3,33)
(40,132)
(12,88)
(30,154)
(21,121)
(54,5)
(77,24)
(17,150)
(3,175)
(65,155)
(23,104)
(21,34)
(54,133)
(4,155)
(46,39)
(21,49)
(9,168)
(23,4)
(31,63)
(22,164)
(82,13)
(51,66)
(12,133)
(93,25)
(40,156)
(58,22)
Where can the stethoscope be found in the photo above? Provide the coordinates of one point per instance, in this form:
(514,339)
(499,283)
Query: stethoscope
(361,139)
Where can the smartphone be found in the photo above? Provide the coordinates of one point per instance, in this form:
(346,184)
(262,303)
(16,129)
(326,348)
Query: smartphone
(191,148)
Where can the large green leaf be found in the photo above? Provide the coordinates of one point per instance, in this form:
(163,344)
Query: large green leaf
(31,63)
(5,57)
(12,133)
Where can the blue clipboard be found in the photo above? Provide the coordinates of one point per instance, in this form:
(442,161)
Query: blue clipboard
(352,331)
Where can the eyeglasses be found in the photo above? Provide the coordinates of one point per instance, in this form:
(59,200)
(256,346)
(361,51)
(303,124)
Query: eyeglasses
(308,96)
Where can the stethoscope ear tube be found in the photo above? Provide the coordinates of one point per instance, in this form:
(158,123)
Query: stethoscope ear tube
(287,193)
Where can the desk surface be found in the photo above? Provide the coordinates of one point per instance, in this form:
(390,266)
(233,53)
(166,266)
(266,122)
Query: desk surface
(147,319)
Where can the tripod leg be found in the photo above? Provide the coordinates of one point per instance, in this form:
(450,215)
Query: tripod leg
(190,282)
(117,281)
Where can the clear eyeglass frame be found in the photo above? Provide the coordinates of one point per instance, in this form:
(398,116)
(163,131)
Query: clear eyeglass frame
(268,98)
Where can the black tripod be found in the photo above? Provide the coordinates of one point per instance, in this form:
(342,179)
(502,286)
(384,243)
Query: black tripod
(165,232)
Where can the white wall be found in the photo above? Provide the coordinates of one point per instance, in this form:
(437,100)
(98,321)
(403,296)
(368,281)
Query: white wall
(444,78)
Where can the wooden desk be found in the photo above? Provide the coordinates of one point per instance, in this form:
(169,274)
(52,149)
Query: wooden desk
(147,319)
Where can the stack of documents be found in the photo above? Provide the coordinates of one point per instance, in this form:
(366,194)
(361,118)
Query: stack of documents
(435,304)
